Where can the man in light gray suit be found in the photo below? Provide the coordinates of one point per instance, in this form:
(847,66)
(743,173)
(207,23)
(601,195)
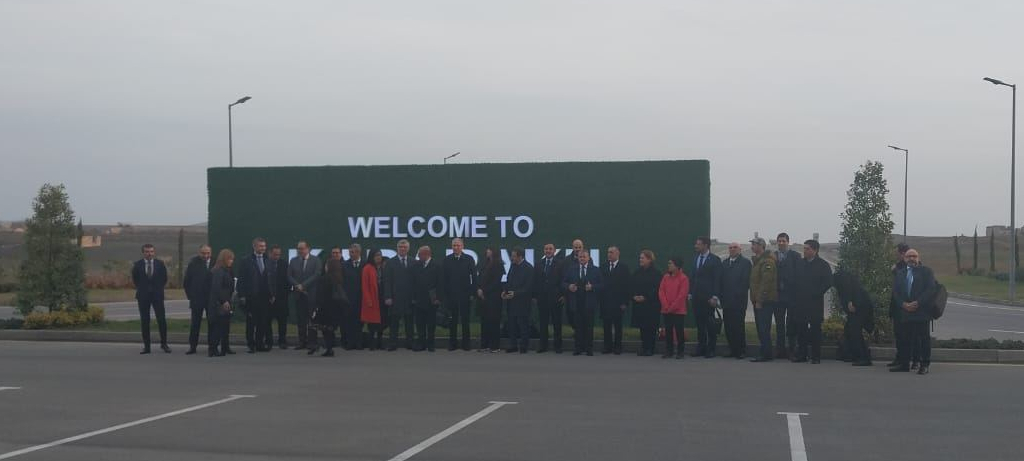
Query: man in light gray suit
(398,294)
(303,272)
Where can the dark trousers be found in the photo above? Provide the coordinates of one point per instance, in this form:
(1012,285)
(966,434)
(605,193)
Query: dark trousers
(219,329)
(763,320)
(612,319)
(856,347)
(549,312)
(782,321)
(583,336)
(734,322)
(161,319)
(352,326)
(376,335)
(328,334)
(426,326)
(519,331)
(905,352)
(302,311)
(490,322)
(707,334)
(648,325)
(808,333)
(397,318)
(917,342)
(458,307)
(197,309)
(279,314)
(675,336)
(257,311)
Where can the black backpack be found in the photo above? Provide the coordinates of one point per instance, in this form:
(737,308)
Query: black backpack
(939,305)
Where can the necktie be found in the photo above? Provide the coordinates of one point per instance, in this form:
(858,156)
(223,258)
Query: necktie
(910,280)
(547,265)
(403,263)
(207,264)
(149,268)
(700,262)
(259,262)
(303,264)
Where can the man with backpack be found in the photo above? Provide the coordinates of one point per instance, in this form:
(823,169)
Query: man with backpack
(914,290)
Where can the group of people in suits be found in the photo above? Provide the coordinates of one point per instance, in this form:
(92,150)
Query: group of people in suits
(410,296)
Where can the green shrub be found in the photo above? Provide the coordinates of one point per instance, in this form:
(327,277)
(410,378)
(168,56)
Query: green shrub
(990,343)
(11,324)
(63,318)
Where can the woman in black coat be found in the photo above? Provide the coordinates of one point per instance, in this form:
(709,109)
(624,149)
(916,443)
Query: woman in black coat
(856,303)
(331,301)
(222,291)
(491,270)
(646,307)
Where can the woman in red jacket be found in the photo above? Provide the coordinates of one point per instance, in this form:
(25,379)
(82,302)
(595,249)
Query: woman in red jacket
(672,293)
(370,313)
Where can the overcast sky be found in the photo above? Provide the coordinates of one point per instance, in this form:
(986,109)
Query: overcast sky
(124,101)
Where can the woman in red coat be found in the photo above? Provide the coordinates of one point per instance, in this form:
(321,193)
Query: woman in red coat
(370,313)
(672,293)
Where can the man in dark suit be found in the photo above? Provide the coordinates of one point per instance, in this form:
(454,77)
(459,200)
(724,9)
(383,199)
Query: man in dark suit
(352,282)
(150,277)
(895,309)
(584,284)
(914,288)
(398,295)
(813,279)
(705,289)
(614,300)
(197,290)
(518,295)
(548,289)
(280,289)
(786,265)
(571,260)
(303,273)
(428,293)
(459,285)
(734,296)
(254,293)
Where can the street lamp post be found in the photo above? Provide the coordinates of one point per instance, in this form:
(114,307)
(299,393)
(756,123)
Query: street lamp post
(445,161)
(906,174)
(231,153)
(1013,185)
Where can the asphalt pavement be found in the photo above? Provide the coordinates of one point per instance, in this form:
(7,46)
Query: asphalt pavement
(979,320)
(84,401)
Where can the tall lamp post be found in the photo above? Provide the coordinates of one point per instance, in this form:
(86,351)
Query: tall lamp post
(1013,186)
(231,153)
(906,174)
(445,161)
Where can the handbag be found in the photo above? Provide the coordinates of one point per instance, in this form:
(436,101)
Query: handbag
(716,321)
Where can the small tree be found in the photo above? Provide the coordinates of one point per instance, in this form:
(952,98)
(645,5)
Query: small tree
(53,272)
(956,249)
(992,252)
(975,266)
(865,241)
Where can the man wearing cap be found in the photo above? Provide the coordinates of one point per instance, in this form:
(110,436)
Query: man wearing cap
(735,286)
(764,294)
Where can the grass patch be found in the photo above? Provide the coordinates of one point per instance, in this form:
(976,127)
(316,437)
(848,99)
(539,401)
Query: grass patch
(105,296)
(980,286)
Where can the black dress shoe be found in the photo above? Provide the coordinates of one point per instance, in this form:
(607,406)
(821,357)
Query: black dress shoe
(575,353)
(222,354)
(211,353)
(313,350)
(799,359)
(606,351)
(894,363)
(729,355)
(541,351)
(741,356)
(262,349)
(914,365)
(679,356)
(282,345)
(709,356)
(558,351)
(511,350)
(590,353)
(329,353)
(430,349)
(617,352)
(900,369)
(228,351)
(862,363)
(523,351)
(923,370)
(392,348)
(144,351)
(666,355)
(761,359)
(191,351)
(300,347)
(165,348)
(250,351)
(815,361)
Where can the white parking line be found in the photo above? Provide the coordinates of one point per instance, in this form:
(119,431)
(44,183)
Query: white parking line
(1013,309)
(796,436)
(8,388)
(121,426)
(451,430)
(1007,331)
